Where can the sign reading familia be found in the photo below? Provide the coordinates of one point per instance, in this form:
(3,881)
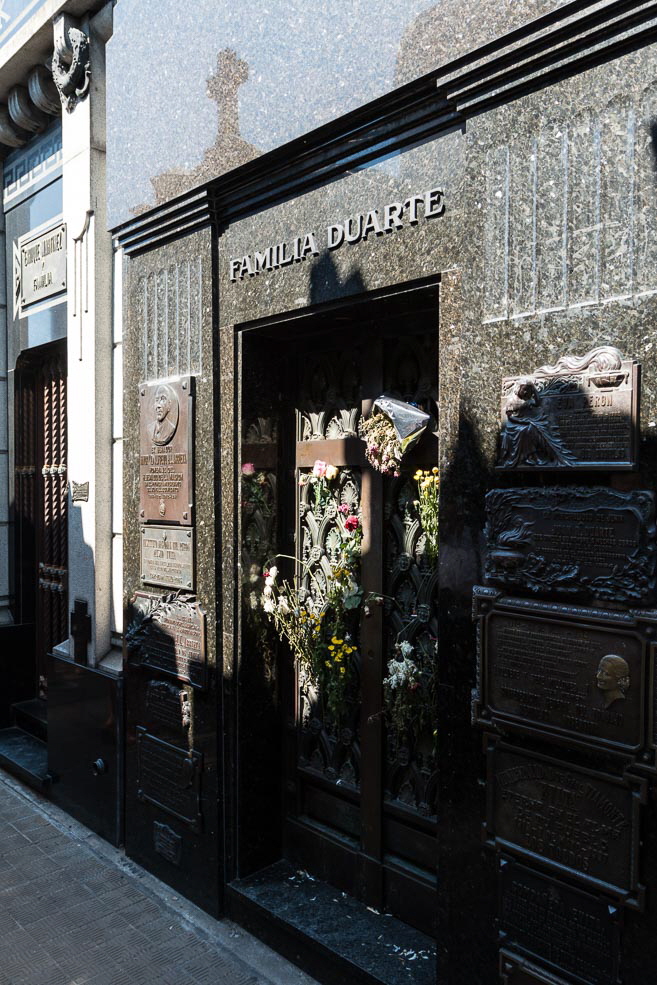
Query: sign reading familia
(376,222)
(43,265)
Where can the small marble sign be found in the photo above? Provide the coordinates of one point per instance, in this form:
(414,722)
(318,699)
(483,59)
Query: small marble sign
(569,819)
(580,413)
(42,265)
(564,671)
(166,452)
(167,556)
(570,541)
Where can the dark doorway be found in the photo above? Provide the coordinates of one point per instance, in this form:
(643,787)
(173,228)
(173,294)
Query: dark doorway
(352,802)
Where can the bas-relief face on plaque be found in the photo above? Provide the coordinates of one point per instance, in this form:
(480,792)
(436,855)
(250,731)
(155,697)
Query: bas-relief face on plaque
(564,671)
(571,541)
(166,451)
(580,413)
(568,819)
(573,932)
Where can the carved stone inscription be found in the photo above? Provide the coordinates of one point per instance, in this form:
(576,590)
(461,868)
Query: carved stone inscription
(567,818)
(167,633)
(576,933)
(168,705)
(167,556)
(165,452)
(581,413)
(170,778)
(573,541)
(565,675)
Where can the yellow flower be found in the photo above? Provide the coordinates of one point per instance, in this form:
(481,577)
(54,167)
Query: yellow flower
(349,649)
(336,641)
(327,663)
(435,470)
(418,474)
(331,647)
(343,670)
(426,483)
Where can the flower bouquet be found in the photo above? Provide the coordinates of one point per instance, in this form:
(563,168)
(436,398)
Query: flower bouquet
(393,428)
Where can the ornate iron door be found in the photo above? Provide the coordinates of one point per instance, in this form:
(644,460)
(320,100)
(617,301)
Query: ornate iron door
(359,790)
(41,501)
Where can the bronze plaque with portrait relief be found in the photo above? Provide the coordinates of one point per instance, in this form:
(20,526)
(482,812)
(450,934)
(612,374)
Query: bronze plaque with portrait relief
(166,477)
(573,932)
(563,671)
(572,541)
(580,413)
(566,819)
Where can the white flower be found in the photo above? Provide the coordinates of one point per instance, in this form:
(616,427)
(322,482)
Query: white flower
(400,673)
(283,605)
(273,572)
(267,590)
(406,648)
(268,606)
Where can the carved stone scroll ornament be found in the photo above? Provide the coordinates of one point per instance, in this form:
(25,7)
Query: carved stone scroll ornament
(70,62)
(582,412)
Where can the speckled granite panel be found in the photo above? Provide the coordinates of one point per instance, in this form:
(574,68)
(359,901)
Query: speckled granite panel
(198,89)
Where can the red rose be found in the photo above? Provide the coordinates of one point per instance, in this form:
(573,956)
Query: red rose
(351,523)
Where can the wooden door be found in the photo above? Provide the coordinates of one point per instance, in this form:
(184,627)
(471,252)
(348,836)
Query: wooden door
(40,497)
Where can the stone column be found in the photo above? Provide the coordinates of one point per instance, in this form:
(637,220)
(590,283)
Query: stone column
(5,615)
(89,338)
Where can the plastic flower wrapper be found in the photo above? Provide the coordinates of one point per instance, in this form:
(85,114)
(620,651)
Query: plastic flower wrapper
(392,430)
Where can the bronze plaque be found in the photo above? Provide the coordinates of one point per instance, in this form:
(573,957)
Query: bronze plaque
(565,671)
(166,488)
(567,819)
(573,541)
(167,633)
(168,705)
(573,932)
(169,777)
(167,843)
(515,970)
(167,556)
(581,413)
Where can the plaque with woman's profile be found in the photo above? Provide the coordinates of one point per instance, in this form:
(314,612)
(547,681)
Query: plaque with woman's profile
(580,413)
(165,451)
(565,673)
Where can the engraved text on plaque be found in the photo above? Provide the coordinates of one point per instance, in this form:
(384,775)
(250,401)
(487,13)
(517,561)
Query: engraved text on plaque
(165,452)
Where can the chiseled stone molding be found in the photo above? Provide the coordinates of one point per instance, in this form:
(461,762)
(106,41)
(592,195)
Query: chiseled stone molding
(71,71)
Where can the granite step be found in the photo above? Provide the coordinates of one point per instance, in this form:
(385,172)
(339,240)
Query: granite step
(31,716)
(24,756)
(331,935)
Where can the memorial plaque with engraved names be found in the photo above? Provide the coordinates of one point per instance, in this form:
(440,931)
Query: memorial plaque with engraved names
(515,970)
(167,633)
(570,541)
(168,705)
(166,451)
(580,413)
(169,778)
(564,671)
(567,819)
(42,269)
(167,556)
(569,930)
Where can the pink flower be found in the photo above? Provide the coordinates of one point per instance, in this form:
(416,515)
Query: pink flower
(351,523)
(344,509)
(248,468)
(319,469)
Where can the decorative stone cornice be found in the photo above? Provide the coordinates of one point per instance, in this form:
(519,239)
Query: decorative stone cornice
(71,71)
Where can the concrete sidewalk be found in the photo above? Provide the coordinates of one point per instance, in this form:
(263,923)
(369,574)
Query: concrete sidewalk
(74,911)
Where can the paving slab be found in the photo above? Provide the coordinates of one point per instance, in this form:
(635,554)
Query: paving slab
(75,911)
